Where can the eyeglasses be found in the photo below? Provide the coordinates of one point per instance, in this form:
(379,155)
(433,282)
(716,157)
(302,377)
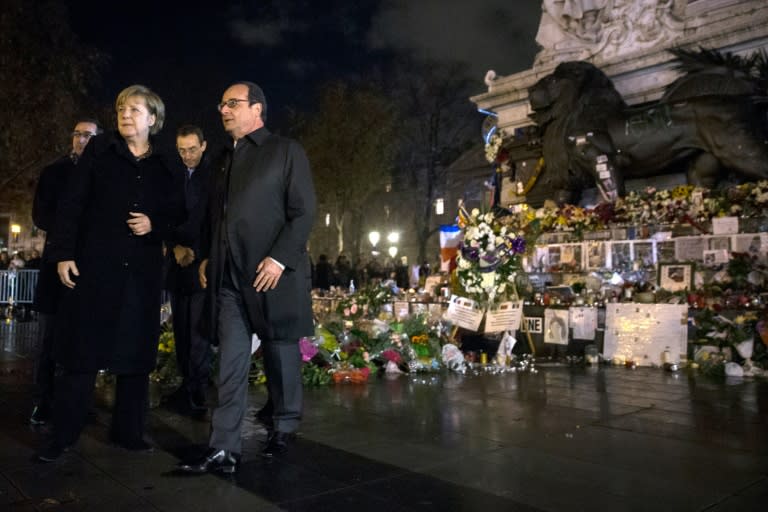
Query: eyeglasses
(232,103)
(87,135)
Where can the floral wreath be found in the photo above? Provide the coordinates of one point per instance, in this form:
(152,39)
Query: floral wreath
(489,258)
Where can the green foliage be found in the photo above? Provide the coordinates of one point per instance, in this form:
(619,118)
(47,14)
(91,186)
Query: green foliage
(313,375)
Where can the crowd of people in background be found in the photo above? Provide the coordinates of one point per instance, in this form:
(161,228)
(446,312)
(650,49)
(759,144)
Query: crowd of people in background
(345,274)
(19,260)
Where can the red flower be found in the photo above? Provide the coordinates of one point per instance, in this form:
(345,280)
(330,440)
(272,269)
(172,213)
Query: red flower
(392,355)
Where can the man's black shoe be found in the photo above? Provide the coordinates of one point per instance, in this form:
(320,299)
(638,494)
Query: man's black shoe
(41,415)
(215,461)
(185,403)
(277,444)
(50,452)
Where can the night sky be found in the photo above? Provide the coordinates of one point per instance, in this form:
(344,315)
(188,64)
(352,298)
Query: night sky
(188,52)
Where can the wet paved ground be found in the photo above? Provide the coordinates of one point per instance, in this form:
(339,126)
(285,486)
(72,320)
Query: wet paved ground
(562,439)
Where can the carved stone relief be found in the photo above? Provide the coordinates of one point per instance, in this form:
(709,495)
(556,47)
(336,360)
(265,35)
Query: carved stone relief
(605,29)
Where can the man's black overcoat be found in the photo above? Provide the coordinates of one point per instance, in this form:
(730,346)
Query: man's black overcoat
(264,205)
(100,325)
(49,188)
(186,280)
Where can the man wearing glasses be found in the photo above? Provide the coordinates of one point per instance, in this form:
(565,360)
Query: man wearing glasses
(193,352)
(49,187)
(258,275)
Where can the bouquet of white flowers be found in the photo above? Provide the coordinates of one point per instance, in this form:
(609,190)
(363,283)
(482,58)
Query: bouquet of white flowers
(489,258)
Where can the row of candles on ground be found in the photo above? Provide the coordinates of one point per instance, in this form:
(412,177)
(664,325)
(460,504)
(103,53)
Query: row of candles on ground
(668,361)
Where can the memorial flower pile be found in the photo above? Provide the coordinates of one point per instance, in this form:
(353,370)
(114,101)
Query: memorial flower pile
(717,330)
(683,204)
(489,257)
(749,199)
(366,303)
(166,371)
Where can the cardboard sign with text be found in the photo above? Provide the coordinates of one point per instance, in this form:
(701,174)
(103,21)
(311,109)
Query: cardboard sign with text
(506,318)
(464,313)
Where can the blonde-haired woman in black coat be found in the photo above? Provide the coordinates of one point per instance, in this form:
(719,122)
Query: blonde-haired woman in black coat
(116,210)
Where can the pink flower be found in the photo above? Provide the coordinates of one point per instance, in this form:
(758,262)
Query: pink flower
(346,311)
(308,349)
(353,309)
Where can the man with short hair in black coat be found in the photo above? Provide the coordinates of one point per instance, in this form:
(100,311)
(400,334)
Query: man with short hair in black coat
(49,189)
(193,352)
(258,275)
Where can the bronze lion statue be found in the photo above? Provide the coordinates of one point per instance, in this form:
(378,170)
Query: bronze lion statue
(710,123)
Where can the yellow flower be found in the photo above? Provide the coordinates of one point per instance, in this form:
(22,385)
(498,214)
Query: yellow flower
(682,191)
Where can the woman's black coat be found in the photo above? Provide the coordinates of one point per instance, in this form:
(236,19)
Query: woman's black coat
(100,323)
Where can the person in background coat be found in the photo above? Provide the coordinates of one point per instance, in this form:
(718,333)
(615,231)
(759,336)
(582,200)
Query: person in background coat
(193,351)
(111,221)
(323,273)
(258,275)
(49,188)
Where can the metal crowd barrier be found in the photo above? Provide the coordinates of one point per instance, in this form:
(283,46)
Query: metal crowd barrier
(18,286)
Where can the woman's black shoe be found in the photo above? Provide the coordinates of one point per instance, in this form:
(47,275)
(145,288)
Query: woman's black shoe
(215,461)
(50,452)
(41,415)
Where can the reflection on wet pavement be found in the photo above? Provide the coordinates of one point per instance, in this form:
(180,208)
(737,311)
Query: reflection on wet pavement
(565,438)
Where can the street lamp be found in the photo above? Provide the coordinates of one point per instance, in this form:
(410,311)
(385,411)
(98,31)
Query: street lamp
(392,252)
(16,230)
(393,237)
(374,237)
(439,206)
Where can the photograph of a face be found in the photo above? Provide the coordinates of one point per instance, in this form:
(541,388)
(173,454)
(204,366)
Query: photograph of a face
(675,277)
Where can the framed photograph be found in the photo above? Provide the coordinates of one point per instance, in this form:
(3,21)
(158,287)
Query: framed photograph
(665,251)
(675,277)
(621,256)
(596,255)
(570,258)
(644,255)
(553,258)
(754,244)
(715,257)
